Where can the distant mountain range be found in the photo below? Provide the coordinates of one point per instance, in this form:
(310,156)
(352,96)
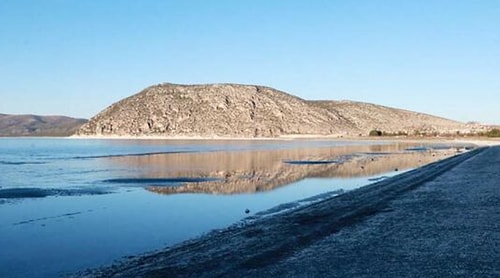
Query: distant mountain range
(32,125)
(233,110)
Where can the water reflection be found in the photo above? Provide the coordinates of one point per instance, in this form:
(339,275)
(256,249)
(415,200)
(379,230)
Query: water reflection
(236,172)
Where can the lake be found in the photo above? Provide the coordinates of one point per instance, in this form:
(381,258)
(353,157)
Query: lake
(71,204)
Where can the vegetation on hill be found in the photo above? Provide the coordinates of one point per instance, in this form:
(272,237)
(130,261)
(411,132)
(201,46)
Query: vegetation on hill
(493,133)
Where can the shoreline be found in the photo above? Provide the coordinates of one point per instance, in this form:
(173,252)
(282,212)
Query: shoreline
(473,140)
(249,245)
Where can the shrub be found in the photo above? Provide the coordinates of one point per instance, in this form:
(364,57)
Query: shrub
(493,133)
(375,133)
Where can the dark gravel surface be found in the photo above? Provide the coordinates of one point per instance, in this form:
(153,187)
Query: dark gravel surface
(441,220)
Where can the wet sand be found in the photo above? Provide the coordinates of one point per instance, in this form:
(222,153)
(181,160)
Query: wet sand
(439,220)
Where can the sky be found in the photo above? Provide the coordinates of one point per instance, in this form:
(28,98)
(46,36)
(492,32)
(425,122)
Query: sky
(75,58)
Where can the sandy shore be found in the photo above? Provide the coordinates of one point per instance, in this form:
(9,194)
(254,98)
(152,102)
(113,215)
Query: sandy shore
(438,220)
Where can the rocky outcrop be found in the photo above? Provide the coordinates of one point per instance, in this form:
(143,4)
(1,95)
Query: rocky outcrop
(233,110)
(33,125)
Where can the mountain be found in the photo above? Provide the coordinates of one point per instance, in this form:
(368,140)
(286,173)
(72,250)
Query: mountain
(33,125)
(235,110)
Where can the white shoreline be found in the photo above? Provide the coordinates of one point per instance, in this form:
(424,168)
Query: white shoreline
(475,141)
(181,137)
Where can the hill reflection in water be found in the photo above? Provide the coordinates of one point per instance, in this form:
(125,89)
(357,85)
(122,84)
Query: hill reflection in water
(236,172)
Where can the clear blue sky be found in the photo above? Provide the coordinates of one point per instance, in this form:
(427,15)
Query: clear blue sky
(75,57)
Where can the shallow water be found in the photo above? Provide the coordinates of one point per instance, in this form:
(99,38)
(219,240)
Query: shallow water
(67,205)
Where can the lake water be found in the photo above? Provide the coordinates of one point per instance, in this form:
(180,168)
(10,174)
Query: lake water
(71,204)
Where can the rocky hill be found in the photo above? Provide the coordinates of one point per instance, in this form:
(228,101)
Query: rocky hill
(250,111)
(367,117)
(32,125)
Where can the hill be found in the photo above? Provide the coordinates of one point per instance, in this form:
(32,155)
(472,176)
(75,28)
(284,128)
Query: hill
(33,125)
(234,110)
(367,117)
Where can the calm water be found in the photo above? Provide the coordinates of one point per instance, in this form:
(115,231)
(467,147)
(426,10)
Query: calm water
(67,205)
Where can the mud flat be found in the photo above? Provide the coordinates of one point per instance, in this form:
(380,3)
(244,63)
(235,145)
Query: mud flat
(439,220)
